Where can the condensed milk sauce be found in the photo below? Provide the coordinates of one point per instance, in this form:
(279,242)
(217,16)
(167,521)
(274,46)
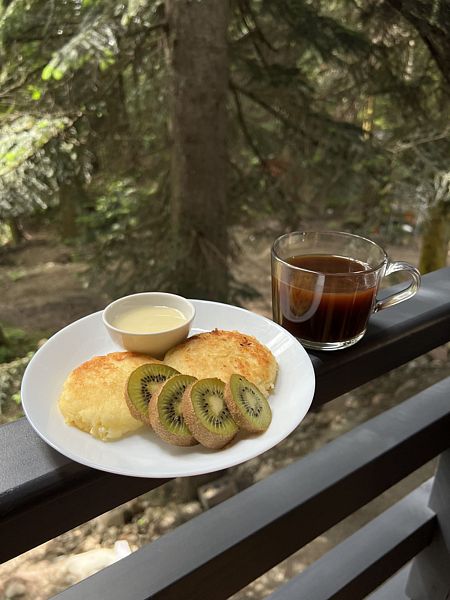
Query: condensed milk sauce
(149,319)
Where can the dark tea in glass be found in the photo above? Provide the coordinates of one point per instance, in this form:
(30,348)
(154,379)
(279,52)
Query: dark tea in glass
(324,286)
(330,308)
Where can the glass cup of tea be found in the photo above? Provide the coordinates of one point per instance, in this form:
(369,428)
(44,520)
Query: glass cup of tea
(325,284)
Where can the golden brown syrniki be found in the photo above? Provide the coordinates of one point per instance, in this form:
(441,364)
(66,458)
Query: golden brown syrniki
(221,353)
(93,397)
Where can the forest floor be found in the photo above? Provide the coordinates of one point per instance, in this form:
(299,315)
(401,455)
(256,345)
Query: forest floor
(43,290)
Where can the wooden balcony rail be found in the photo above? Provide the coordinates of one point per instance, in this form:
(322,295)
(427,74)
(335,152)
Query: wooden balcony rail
(43,494)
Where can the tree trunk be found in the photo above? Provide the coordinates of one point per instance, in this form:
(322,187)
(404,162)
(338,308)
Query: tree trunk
(113,134)
(198,60)
(71,196)
(17,233)
(435,239)
(3,338)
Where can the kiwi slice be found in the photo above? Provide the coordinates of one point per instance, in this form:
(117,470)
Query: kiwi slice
(165,414)
(247,404)
(141,385)
(206,413)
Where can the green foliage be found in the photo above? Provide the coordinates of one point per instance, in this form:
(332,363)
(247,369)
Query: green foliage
(337,110)
(44,146)
(95,43)
(336,101)
(10,379)
(22,137)
(16,350)
(130,223)
(18,344)
(37,154)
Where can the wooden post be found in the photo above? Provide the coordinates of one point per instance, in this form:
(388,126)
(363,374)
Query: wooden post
(429,578)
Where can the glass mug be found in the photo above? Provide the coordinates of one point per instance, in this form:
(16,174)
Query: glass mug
(325,284)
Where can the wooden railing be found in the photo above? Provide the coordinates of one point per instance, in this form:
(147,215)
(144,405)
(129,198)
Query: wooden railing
(43,494)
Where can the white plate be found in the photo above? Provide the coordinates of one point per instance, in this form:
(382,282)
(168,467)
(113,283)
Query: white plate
(143,454)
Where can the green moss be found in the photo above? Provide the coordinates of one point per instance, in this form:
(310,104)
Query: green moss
(11,375)
(17,343)
(435,238)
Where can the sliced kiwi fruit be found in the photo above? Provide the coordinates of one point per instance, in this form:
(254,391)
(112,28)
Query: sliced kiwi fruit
(141,385)
(206,413)
(165,414)
(247,404)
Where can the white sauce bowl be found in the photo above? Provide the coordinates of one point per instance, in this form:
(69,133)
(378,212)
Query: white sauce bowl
(155,344)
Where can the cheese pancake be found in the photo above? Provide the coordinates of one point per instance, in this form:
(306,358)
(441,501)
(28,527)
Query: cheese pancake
(221,353)
(93,396)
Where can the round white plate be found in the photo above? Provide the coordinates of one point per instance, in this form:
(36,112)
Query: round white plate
(142,454)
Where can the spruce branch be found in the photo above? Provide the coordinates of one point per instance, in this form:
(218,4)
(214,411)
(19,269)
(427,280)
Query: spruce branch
(240,115)
(37,154)
(258,29)
(265,105)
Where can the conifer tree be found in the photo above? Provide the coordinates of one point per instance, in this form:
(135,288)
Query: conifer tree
(301,109)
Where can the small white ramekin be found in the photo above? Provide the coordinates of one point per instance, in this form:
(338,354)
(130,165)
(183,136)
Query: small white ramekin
(155,344)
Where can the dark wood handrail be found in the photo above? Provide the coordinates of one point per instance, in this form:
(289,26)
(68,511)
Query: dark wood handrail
(227,547)
(43,493)
(394,337)
(368,557)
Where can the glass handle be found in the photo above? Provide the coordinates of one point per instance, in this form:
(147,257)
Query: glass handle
(413,274)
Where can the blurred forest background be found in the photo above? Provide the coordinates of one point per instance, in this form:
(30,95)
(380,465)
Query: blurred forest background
(164,144)
(139,139)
